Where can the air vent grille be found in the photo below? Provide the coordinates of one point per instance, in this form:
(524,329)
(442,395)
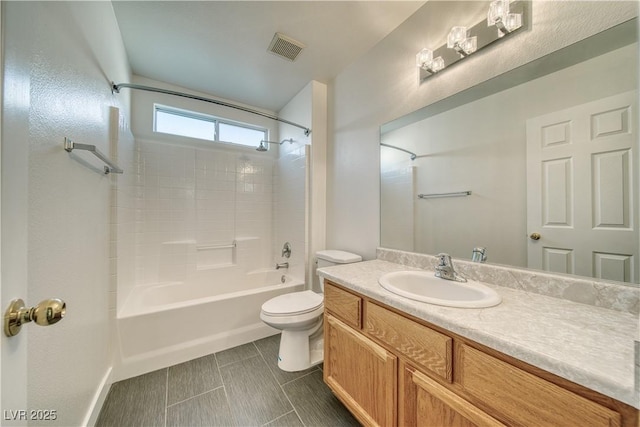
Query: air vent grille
(285,47)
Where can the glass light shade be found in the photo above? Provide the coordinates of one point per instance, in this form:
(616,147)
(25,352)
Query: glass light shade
(437,64)
(425,56)
(498,11)
(470,45)
(513,21)
(456,36)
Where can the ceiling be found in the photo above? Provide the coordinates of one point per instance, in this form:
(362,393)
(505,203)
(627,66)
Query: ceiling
(220,47)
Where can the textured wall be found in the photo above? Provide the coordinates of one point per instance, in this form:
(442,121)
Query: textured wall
(59,58)
(383,85)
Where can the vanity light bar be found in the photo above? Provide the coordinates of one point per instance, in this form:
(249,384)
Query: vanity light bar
(503,19)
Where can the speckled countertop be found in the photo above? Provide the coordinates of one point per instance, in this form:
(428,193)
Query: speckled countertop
(591,346)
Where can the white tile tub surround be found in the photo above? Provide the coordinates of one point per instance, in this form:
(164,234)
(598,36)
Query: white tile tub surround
(397,189)
(583,290)
(207,196)
(123,209)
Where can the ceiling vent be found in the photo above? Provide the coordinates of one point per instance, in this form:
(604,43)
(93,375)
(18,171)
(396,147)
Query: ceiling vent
(285,47)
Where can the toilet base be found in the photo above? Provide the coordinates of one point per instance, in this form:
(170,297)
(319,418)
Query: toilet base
(300,350)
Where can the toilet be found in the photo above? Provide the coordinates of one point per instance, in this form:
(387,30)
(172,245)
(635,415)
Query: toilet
(299,316)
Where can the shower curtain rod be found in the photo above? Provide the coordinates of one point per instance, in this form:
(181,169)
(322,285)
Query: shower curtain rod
(413,155)
(116,88)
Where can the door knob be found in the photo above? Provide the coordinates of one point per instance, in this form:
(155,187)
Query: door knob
(535,236)
(46,313)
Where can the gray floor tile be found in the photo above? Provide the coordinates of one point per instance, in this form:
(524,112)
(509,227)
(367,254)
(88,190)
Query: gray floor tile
(193,378)
(139,401)
(250,394)
(288,420)
(315,403)
(209,409)
(254,395)
(269,347)
(236,354)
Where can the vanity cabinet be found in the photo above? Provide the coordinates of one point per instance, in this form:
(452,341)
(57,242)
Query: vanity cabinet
(392,369)
(361,373)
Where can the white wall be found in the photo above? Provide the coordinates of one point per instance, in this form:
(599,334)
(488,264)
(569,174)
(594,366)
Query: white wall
(58,60)
(290,184)
(302,179)
(383,85)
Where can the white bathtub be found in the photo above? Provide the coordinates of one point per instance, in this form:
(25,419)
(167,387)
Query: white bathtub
(168,323)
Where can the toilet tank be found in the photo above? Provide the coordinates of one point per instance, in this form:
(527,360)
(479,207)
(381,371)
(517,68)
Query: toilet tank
(331,257)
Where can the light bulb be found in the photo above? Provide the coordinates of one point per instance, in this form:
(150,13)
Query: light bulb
(456,36)
(425,56)
(437,64)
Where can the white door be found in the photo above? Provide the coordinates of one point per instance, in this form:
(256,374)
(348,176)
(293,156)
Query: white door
(582,191)
(13,250)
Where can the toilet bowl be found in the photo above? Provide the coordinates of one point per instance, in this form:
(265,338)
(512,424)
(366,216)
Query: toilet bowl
(299,316)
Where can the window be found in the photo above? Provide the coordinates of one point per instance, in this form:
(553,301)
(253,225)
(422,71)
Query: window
(195,125)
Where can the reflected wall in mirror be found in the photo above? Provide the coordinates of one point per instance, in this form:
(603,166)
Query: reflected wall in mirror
(555,155)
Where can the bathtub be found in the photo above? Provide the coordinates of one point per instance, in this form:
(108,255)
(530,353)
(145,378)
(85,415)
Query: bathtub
(167,323)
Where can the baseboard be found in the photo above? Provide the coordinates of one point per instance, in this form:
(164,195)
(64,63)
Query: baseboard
(98,399)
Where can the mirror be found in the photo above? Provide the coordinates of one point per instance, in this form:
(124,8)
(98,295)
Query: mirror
(548,148)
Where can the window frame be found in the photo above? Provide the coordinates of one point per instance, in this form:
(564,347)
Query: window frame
(211,119)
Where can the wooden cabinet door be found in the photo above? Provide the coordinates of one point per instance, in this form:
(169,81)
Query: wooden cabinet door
(361,373)
(426,403)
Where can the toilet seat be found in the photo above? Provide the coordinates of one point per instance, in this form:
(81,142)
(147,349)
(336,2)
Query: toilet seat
(293,304)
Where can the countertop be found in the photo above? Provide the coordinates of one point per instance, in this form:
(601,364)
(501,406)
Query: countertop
(588,345)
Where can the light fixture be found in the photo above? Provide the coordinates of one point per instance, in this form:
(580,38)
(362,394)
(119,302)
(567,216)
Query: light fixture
(499,16)
(426,61)
(459,40)
(462,41)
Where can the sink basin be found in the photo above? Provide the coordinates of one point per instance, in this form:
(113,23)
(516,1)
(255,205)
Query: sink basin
(424,286)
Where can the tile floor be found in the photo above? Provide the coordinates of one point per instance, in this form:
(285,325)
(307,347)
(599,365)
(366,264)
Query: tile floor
(241,386)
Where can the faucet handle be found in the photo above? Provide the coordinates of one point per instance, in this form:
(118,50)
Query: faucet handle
(286,250)
(444,259)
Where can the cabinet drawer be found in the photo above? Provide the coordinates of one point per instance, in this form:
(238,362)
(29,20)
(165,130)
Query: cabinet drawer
(343,304)
(428,349)
(524,398)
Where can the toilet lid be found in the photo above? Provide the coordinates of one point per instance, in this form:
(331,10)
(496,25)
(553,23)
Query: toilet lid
(293,303)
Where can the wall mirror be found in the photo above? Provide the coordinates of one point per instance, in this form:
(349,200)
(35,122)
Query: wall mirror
(538,165)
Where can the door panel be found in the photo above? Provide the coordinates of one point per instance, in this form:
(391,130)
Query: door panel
(582,174)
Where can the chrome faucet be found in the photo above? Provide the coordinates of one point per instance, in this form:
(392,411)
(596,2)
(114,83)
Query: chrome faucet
(445,270)
(286,250)
(479,254)
(282,265)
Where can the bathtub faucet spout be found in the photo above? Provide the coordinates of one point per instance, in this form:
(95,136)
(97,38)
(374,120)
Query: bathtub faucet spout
(282,265)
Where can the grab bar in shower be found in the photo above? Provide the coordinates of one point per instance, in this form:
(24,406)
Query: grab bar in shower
(207,247)
(69,146)
(454,194)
